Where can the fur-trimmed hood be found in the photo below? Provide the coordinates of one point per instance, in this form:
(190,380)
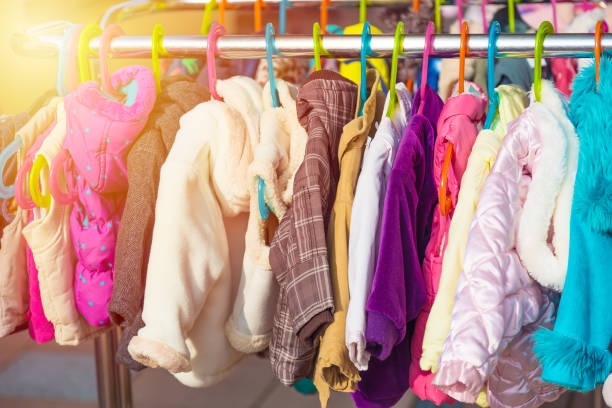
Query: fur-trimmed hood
(550,194)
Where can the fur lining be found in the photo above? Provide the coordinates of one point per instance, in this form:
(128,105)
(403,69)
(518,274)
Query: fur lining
(547,177)
(154,354)
(591,112)
(582,360)
(244,343)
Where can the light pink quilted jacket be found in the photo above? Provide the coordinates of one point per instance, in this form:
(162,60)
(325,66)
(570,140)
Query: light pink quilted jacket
(100,132)
(497,303)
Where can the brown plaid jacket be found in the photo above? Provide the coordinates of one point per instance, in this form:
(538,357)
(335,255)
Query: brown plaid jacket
(298,256)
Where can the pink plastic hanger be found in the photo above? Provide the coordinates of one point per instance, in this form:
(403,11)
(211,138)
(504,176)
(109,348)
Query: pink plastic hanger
(216,31)
(109,33)
(483,10)
(553,4)
(426,51)
(460,12)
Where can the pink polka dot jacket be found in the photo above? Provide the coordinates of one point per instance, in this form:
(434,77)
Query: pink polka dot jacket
(100,132)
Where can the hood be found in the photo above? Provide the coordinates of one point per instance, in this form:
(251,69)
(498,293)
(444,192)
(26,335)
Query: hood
(591,111)
(550,193)
(101,129)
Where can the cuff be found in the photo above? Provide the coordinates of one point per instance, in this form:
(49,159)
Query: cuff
(381,335)
(155,354)
(313,329)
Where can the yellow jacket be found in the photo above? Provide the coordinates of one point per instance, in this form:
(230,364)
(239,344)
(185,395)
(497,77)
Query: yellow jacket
(352,69)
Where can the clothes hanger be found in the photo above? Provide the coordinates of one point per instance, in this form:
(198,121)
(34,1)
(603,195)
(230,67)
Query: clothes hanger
(317,46)
(206,19)
(483,10)
(108,34)
(398,47)
(157,49)
(597,52)
(544,29)
(323,15)
(494,31)
(511,15)
(264,210)
(426,51)
(258,5)
(282,15)
(216,31)
(444,199)
(366,50)
(438,16)
(415,5)
(89,32)
(460,12)
(363,11)
(553,4)
(61,82)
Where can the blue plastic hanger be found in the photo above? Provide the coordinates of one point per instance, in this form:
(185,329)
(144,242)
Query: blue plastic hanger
(494,31)
(61,83)
(366,51)
(282,15)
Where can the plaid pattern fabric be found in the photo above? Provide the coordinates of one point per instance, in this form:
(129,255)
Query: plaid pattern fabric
(298,255)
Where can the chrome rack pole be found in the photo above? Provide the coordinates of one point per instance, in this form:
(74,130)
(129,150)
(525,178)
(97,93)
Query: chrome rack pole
(106,370)
(339,46)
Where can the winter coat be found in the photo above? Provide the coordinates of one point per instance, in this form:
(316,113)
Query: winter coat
(276,160)
(512,102)
(576,353)
(198,238)
(497,301)
(101,132)
(14,296)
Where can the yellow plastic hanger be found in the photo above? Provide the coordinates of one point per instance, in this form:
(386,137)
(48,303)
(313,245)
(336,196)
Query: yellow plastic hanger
(157,49)
(89,32)
(398,47)
(543,30)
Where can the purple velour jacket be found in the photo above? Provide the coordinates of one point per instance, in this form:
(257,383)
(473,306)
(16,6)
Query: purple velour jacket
(398,288)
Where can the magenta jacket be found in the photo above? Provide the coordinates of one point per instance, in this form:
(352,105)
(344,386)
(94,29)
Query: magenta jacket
(100,132)
(458,124)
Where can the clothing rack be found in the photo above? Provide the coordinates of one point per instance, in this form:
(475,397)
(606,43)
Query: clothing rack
(339,46)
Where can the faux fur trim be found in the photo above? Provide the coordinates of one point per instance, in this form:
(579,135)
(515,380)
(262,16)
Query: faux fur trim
(245,343)
(532,239)
(89,94)
(591,112)
(154,354)
(584,362)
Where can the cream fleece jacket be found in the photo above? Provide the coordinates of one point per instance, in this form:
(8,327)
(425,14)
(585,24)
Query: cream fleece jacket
(13,273)
(198,238)
(277,158)
(50,240)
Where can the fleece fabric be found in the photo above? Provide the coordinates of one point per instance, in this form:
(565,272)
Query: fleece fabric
(576,353)
(364,235)
(276,159)
(14,296)
(179,94)
(512,102)
(198,238)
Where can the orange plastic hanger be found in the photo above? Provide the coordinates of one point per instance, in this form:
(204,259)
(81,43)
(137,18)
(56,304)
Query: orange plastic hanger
(258,5)
(444,198)
(323,16)
(415,6)
(598,30)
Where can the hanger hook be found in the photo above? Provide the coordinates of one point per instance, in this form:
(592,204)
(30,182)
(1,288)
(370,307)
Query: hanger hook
(206,19)
(323,16)
(398,48)
(544,30)
(282,15)
(597,52)
(415,5)
(271,50)
(366,50)
(363,11)
(483,10)
(464,51)
(39,166)
(553,5)
(316,41)
(494,31)
(216,31)
(61,81)
(222,7)
(89,32)
(157,49)
(460,12)
(110,32)
(258,5)
(429,34)
(438,16)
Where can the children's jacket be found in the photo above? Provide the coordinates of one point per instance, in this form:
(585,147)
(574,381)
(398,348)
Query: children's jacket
(179,94)
(14,276)
(496,297)
(276,160)
(333,368)
(398,289)
(298,255)
(364,238)
(576,353)
(198,239)
(512,102)
(100,133)
(458,124)
(49,238)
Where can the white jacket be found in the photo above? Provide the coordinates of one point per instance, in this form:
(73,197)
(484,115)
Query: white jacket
(198,238)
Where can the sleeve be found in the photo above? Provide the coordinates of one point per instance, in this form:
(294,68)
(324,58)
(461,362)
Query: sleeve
(398,264)
(189,254)
(136,229)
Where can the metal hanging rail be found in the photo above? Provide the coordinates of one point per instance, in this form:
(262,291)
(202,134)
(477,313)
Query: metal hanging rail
(340,46)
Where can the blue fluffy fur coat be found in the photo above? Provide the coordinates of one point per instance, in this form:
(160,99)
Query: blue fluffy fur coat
(576,353)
